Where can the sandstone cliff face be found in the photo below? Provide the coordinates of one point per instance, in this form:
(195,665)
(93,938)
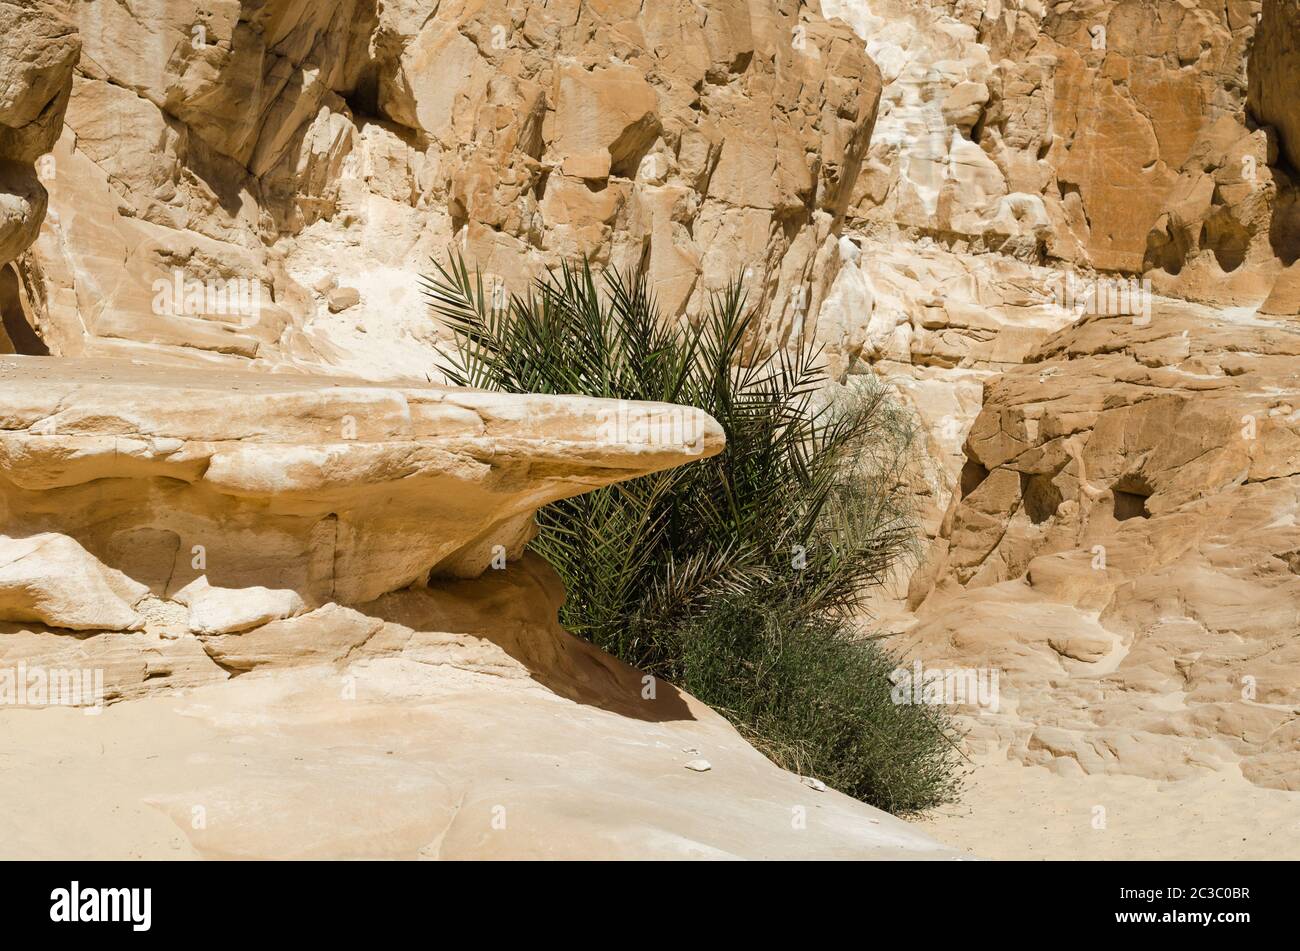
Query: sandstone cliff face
(1128,495)
(1045,130)
(1109,492)
(322,154)
(257,185)
(1229,232)
(1274,66)
(1108,489)
(38,47)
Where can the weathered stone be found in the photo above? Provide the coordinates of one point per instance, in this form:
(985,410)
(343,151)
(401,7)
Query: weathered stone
(276,143)
(332,489)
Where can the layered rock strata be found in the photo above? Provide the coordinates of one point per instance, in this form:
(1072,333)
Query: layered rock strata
(245,498)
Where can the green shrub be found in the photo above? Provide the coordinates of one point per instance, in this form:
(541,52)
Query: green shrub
(736,577)
(814,696)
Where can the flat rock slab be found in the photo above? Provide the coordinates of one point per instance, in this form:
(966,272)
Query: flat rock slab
(334,490)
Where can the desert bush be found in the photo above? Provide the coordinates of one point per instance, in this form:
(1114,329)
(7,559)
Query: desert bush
(739,577)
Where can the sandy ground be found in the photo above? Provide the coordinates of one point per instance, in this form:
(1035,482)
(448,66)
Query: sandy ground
(1010,811)
(427,761)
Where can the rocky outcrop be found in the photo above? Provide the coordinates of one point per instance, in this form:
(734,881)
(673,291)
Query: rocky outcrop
(1127,496)
(279,494)
(162,523)
(451,721)
(1107,472)
(319,156)
(1049,131)
(1274,71)
(1229,231)
(38,47)
(312,593)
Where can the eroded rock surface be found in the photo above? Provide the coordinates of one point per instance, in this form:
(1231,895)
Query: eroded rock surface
(1046,130)
(260,574)
(38,47)
(329,490)
(1123,547)
(1108,493)
(323,154)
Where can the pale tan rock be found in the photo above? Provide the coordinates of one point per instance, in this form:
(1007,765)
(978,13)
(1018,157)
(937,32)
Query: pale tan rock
(129,666)
(1098,527)
(467,727)
(229,610)
(334,490)
(285,144)
(1225,224)
(328,633)
(38,47)
(22,206)
(1119,549)
(50,578)
(341,298)
(1284,297)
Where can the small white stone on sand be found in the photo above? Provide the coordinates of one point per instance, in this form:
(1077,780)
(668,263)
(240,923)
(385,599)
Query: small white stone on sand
(699,765)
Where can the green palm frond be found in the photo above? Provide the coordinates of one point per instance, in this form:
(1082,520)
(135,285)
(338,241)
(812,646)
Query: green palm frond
(647,562)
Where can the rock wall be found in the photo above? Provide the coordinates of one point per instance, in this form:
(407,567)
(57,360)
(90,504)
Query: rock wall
(1108,485)
(1049,131)
(1230,229)
(38,47)
(185,540)
(1109,464)
(1127,495)
(1274,70)
(323,154)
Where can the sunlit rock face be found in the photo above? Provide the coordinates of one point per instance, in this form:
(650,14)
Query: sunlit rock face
(322,154)
(1129,494)
(324,489)
(304,594)
(454,721)
(1042,129)
(240,464)
(38,47)
(1103,376)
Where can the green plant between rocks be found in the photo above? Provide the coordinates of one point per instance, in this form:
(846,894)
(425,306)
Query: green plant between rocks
(739,577)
